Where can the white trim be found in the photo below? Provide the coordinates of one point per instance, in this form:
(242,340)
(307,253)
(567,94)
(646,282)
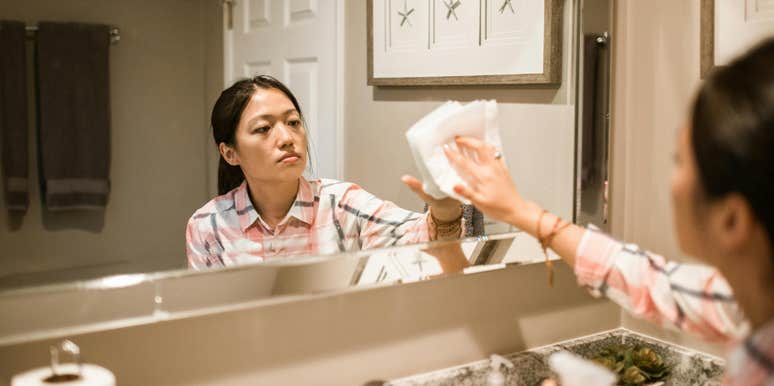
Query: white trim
(340,86)
(228,50)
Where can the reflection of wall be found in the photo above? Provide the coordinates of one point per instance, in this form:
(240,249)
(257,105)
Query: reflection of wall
(376,119)
(160,112)
(656,72)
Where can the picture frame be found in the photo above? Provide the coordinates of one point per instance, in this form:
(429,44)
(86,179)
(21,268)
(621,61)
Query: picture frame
(439,53)
(707,37)
(729,28)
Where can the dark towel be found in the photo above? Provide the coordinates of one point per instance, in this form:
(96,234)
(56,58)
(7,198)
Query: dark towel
(74,114)
(13,113)
(590,109)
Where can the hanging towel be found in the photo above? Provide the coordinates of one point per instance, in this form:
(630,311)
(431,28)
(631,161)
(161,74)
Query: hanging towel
(13,114)
(590,153)
(74,114)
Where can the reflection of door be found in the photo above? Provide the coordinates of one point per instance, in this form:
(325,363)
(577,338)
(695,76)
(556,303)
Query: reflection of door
(296,42)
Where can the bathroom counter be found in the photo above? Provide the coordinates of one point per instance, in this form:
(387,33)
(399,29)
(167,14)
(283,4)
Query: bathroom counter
(689,367)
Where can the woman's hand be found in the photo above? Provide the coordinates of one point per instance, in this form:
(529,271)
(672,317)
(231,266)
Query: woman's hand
(444,210)
(489,185)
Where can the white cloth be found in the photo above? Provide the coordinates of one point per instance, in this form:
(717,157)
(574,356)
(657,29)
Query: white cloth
(477,119)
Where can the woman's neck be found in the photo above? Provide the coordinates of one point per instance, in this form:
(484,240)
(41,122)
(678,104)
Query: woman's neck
(272,200)
(751,275)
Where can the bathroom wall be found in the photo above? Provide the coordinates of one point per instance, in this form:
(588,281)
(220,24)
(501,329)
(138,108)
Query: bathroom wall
(344,339)
(376,119)
(161,72)
(532,120)
(656,74)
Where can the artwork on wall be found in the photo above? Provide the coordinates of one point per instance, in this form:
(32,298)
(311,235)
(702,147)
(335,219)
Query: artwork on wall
(730,27)
(464,42)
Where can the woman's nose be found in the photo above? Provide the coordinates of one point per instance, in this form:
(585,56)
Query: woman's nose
(285,135)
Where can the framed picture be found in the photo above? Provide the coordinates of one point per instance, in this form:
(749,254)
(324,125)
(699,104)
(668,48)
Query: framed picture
(464,42)
(730,27)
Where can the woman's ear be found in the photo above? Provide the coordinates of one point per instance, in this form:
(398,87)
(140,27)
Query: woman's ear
(229,154)
(735,223)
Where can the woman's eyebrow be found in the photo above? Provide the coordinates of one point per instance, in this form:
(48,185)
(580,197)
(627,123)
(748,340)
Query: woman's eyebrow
(268,117)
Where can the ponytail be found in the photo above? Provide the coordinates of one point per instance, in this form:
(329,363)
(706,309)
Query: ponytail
(229,177)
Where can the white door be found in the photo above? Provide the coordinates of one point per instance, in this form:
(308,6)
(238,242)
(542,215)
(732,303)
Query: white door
(297,42)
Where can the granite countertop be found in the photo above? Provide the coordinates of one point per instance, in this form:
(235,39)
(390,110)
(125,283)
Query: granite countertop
(688,367)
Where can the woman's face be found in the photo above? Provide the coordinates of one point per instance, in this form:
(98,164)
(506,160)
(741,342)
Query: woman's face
(270,138)
(686,206)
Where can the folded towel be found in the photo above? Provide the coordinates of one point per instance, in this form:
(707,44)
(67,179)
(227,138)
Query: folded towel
(74,114)
(427,137)
(13,113)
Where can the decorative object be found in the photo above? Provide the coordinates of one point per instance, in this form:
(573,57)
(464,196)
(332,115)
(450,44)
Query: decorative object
(634,365)
(464,42)
(728,28)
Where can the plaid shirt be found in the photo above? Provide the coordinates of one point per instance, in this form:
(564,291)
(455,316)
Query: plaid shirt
(690,297)
(327,216)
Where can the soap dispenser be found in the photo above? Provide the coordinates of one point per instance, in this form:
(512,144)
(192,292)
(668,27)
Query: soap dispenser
(495,376)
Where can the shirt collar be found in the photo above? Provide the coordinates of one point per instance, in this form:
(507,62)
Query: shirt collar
(303,207)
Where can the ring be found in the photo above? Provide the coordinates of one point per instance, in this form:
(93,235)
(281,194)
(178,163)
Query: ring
(498,155)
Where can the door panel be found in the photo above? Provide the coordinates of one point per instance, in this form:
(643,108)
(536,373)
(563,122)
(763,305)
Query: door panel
(296,42)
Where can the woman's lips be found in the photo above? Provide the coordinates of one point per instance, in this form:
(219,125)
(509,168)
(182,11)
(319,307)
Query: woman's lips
(290,158)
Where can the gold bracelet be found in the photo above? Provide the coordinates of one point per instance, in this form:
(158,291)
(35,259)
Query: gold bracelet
(446,228)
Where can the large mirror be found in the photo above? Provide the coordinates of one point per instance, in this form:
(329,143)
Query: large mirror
(138,190)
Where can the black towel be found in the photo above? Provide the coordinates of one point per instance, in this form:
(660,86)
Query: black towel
(74,114)
(590,109)
(13,113)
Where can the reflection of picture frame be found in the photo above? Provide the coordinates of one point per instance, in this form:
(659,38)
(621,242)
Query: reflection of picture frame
(728,28)
(707,41)
(464,42)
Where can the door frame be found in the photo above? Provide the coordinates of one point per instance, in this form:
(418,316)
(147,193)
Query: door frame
(228,68)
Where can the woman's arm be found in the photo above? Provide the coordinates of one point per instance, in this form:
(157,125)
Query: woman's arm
(691,297)
(381,223)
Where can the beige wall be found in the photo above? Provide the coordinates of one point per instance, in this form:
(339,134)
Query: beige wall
(532,119)
(345,339)
(656,74)
(160,73)
(376,120)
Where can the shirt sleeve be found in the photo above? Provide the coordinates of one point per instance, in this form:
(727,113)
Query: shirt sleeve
(381,223)
(690,297)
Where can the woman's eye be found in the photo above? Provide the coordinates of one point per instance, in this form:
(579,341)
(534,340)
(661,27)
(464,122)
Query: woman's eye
(294,122)
(261,130)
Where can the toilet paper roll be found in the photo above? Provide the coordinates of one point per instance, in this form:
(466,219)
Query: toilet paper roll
(91,375)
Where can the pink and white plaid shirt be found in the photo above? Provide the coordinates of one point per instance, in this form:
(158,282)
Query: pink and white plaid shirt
(327,216)
(690,297)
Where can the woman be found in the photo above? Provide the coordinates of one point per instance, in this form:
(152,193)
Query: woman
(266,207)
(723,205)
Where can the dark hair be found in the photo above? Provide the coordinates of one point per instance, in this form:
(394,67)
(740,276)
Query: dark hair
(733,132)
(225,118)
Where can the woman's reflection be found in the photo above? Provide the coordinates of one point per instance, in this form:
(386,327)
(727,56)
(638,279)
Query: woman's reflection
(267,208)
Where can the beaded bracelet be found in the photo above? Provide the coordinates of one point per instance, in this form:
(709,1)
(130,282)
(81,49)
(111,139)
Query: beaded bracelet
(545,242)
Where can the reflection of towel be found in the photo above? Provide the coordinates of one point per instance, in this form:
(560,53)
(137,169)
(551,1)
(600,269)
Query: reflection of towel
(13,113)
(589,138)
(426,138)
(74,114)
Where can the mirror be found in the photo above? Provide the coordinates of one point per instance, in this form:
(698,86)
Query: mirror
(168,67)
